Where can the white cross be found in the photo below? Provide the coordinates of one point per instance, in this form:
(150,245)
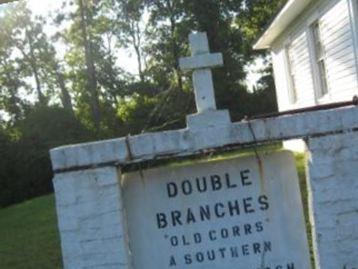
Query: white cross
(201,61)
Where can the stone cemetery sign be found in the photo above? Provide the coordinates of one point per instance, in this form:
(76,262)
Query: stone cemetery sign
(243,213)
(226,214)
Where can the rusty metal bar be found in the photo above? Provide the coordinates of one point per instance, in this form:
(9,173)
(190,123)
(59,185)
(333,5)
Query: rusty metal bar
(354,102)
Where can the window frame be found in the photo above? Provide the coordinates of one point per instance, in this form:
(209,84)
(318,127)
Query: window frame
(291,75)
(319,60)
(353,13)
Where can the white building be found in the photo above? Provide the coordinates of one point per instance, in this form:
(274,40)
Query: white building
(314,48)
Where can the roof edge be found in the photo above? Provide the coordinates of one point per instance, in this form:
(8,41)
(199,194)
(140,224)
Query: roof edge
(286,16)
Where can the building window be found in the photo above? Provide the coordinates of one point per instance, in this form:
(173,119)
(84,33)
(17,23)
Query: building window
(292,74)
(320,58)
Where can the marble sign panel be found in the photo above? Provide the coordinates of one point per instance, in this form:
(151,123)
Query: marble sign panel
(242,213)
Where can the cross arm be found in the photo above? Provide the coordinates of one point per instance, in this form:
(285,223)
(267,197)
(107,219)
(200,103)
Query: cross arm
(201,61)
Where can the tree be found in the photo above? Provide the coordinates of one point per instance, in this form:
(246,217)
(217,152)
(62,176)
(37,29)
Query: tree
(255,16)
(29,50)
(252,21)
(65,96)
(29,40)
(99,99)
(10,80)
(25,171)
(86,11)
(128,28)
(82,44)
(25,52)
(96,80)
(168,33)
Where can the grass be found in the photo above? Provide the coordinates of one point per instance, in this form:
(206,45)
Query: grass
(28,235)
(301,170)
(28,232)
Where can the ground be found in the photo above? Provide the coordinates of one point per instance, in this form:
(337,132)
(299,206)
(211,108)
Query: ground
(29,237)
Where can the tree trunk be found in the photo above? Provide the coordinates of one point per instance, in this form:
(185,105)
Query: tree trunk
(13,90)
(175,47)
(139,60)
(113,79)
(38,84)
(112,75)
(137,47)
(32,62)
(65,95)
(135,35)
(91,84)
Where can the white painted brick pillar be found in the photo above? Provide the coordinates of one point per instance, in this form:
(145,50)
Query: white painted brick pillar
(90,215)
(333,194)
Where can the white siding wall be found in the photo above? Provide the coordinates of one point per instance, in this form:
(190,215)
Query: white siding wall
(304,79)
(299,51)
(337,38)
(339,46)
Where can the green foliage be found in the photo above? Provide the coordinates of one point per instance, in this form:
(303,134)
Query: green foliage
(26,169)
(256,15)
(265,95)
(137,108)
(7,170)
(51,126)
(52,99)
